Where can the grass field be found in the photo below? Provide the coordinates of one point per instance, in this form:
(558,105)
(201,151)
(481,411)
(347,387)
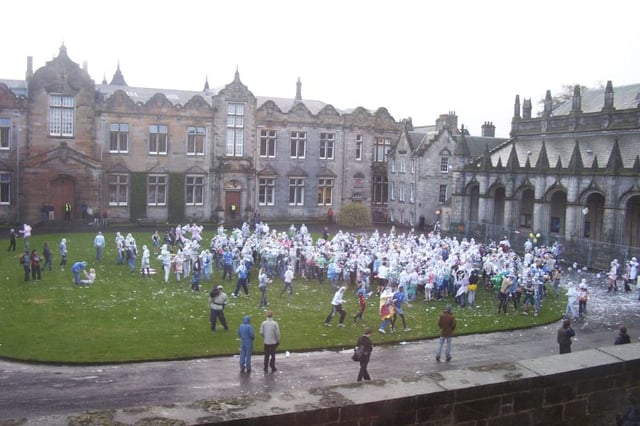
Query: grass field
(124,317)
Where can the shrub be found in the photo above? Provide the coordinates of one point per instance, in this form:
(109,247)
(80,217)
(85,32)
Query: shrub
(355,215)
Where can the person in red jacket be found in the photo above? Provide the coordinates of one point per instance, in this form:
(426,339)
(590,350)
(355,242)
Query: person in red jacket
(447,324)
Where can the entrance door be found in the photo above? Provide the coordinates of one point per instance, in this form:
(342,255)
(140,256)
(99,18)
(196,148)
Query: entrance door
(62,190)
(232,198)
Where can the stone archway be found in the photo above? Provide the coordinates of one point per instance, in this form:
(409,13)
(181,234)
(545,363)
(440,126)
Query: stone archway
(631,231)
(593,217)
(557,212)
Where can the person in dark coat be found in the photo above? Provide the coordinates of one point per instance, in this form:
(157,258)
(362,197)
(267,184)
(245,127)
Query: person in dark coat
(565,333)
(367,345)
(622,338)
(447,324)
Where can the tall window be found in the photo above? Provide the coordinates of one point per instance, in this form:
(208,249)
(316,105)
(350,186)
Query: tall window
(392,192)
(158,139)
(235,130)
(442,194)
(381,148)
(195,140)
(118,190)
(444,164)
(266,191)
(5,188)
(61,115)
(325,191)
(412,193)
(119,138)
(268,143)
(5,127)
(296,192)
(194,186)
(413,166)
(359,145)
(157,190)
(401,192)
(298,144)
(327,144)
(380,190)
(403,165)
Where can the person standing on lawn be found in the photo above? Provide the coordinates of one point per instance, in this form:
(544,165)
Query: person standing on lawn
(63,253)
(270,332)
(217,301)
(447,324)
(99,244)
(367,345)
(246,334)
(12,240)
(336,307)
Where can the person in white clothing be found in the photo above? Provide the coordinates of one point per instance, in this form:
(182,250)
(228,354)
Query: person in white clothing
(336,307)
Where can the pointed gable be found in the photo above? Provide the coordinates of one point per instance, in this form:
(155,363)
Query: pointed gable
(513,163)
(575,162)
(615,159)
(543,158)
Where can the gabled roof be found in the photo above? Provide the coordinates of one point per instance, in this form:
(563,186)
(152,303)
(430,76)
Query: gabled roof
(18,87)
(143,94)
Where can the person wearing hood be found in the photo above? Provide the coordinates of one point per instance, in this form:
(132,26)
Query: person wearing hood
(76,269)
(246,334)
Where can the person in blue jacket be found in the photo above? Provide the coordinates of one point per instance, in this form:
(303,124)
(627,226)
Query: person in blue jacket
(246,334)
(76,269)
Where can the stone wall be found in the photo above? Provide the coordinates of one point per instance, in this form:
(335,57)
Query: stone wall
(587,388)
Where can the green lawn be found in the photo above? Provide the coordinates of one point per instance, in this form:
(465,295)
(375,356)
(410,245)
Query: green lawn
(125,317)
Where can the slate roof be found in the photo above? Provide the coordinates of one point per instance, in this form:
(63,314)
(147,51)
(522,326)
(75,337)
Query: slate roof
(143,94)
(18,87)
(478,144)
(624,97)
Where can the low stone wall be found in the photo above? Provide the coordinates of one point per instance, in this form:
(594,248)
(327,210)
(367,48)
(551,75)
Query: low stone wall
(586,388)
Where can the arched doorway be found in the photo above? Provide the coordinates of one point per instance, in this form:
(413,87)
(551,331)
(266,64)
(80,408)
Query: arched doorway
(557,212)
(62,191)
(631,232)
(474,201)
(232,200)
(526,208)
(593,217)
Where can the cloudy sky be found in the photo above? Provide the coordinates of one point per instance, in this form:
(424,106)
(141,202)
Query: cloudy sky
(417,58)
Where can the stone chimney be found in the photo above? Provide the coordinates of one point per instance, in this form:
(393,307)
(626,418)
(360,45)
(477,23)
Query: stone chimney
(298,90)
(488,130)
(29,72)
(448,121)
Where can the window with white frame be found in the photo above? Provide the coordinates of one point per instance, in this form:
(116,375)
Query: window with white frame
(267,143)
(158,139)
(119,138)
(327,145)
(380,189)
(401,192)
(392,191)
(442,194)
(298,144)
(381,147)
(444,164)
(392,164)
(5,128)
(194,186)
(118,189)
(412,193)
(61,115)
(5,188)
(413,166)
(266,191)
(157,190)
(296,191)
(359,147)
(403,165)
(325,191)
(235,130)
(195,140)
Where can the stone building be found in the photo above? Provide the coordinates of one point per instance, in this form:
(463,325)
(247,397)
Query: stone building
(572,172)
(161,155)
(422,170)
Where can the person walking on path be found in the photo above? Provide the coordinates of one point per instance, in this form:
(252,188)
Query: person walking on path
(366,344)
(99,244)
(336,307)
(217,301)
(447,324)
(270,332)
(565,333)
(622,338)
(246,334)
